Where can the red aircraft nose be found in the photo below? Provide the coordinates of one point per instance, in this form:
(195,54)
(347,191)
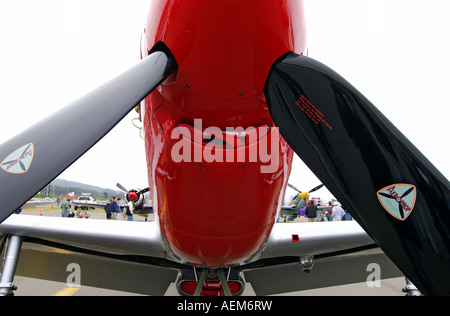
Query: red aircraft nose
(133,195)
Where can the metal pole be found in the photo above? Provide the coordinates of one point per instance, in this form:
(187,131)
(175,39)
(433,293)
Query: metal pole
(198,290)
(224,281)
(10,265)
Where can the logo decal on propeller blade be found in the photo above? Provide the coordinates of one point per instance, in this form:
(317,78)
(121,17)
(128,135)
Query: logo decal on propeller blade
(20,160)
(398,200)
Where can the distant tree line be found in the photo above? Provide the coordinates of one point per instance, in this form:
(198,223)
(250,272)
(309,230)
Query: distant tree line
(58,191)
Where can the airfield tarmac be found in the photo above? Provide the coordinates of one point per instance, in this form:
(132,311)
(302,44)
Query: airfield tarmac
(35,287)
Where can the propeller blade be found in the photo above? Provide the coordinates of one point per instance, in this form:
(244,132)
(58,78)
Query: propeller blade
(408,192)
(400,211)
(294,188)
(316,188)
(143,191)
(387,195)
(121,187)
(357,153)
(36,154)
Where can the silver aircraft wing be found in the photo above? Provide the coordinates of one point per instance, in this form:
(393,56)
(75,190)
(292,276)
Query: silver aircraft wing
(341,252)
(128,240)
(113,237)
(118,255)
(307,239)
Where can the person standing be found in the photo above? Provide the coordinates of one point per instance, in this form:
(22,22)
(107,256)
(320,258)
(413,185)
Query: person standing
(337,213)
(130,209)
(311,212)
(115,208)
(122,211)
(108,209)
(64,208)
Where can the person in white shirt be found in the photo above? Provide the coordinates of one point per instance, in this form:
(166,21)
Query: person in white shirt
(130,210)
(337,213)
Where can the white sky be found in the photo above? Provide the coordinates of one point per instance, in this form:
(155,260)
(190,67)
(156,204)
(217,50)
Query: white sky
(52,52)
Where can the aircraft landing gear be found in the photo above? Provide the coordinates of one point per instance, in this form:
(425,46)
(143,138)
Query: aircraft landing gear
(210,282)
(10,264)
(411,289)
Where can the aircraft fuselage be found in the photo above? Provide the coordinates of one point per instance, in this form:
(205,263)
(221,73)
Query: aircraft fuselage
(218,168)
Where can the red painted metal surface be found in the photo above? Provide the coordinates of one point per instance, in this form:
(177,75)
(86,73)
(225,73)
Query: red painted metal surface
(218,213)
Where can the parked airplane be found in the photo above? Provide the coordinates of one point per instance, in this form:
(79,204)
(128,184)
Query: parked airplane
(298,202)
(229,95)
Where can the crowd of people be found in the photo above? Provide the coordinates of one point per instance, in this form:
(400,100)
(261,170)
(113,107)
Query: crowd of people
(114,212)
(337,213)
(112,209)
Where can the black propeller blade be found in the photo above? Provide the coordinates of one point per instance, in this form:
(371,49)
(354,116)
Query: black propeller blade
(142,191)
(32,159)
(320,186)
(294,188)
(358,154)
(311,191)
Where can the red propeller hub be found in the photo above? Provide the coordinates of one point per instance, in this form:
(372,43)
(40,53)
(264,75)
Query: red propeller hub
(133,195)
